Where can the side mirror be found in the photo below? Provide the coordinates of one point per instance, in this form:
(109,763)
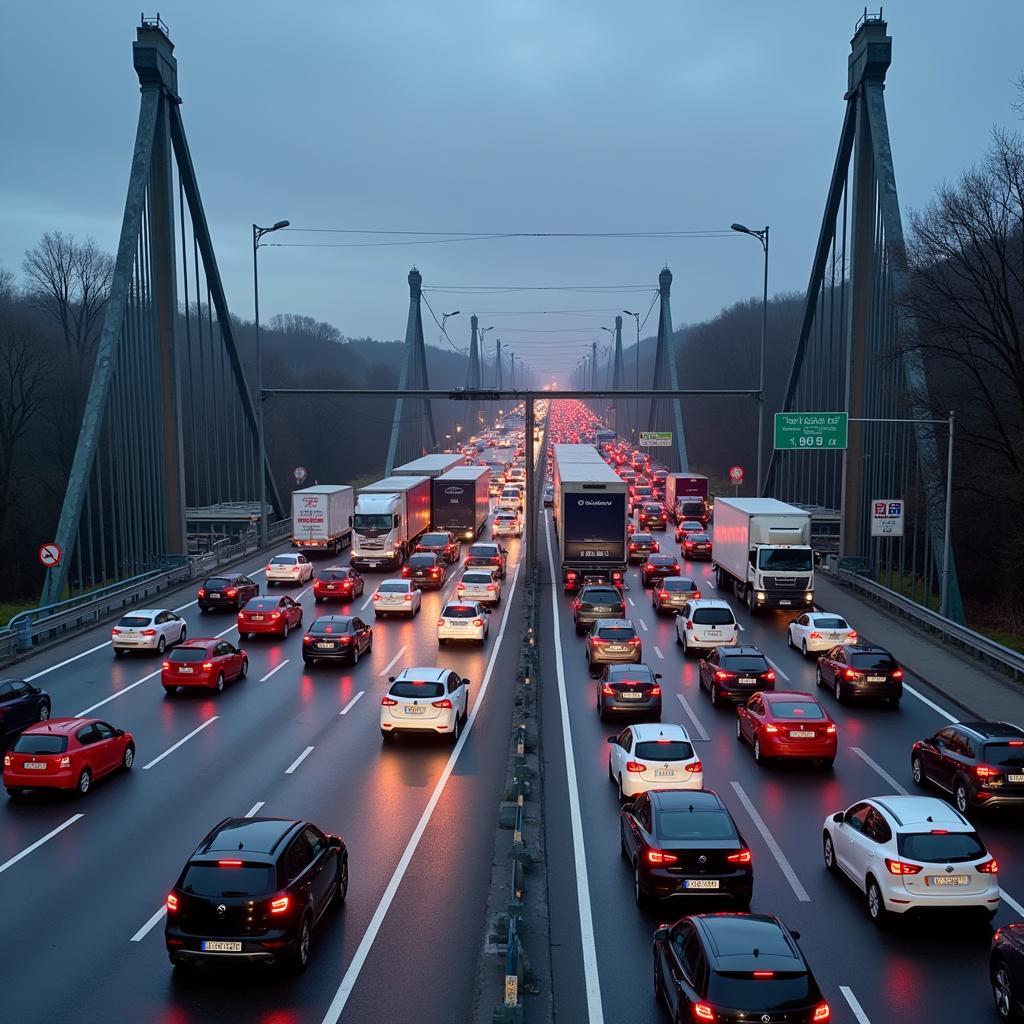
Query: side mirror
(657,675)
(119,732)
(337,844)
(613,739)
(391,679)
(796,935)
(661,933)
(838,818)
(465,682)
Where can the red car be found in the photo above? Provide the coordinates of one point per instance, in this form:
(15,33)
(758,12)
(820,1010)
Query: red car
(208,663)
(269,615)
(787,724)
(66,753)
(696,545)
(337,581)
(688,526)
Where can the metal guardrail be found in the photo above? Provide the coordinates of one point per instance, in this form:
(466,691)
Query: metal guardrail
(513,1007)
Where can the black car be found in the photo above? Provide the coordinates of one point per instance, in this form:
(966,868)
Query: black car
(733,967)
(427,569)
(653,516)
(629,690)
(1006,971)
(697,546)
(641,545)
(232,591)
(337,636)
(860,671)
(21,705)
(658,567)
(597,602)
(337,582)
(443,543)
(254,890)
(734,673)
(685,843)
(980,764)
(487,555)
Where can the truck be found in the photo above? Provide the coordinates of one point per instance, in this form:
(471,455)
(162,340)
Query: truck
(590,515)
(322,518)
(390,515)
(762,550)
(686,497)
(462,501)
(429,465)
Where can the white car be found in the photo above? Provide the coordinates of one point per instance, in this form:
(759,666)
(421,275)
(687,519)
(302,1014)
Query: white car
(479,585)
(425,700)
(909,853)
(512,497)
(462,620)
(397,597)
(289,569)
(507,524)
(706,623)
(148,629)
(819,631)
(653,755)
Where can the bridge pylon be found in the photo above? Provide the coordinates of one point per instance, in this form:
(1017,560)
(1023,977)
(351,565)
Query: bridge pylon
(666,413)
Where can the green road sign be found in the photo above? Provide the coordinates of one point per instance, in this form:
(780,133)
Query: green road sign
(655,439)
(814,431)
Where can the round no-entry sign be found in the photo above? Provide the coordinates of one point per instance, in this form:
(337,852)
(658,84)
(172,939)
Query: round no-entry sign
(300,474)
(736,474)
(50,555)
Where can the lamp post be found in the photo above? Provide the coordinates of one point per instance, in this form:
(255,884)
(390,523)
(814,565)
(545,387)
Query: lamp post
(257,234)
(636,401)
(444,318)
(762,237)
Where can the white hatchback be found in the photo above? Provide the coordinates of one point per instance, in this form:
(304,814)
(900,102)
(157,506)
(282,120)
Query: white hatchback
(511,496)
(432,700)
(507,524)
(148,629)
(479,585)
(397,597)
(653,755)
(462,620)
(705,623)
(289,569)
(819,631)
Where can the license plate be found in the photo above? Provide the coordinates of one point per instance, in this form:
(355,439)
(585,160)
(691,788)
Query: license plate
(210,946)
(1015,778)
(664,773)
(746,682)
(215,594)
(331,586)
(601,611)
(941,880)
(35,765)
(802,734)
(373,565)
(414,709)
(787,601)
(325,646)
(615,648)
(876,679)
(458,623)
(185,669)
(713,632)
(256,618)
(835,636)
(129,636)
(700,883)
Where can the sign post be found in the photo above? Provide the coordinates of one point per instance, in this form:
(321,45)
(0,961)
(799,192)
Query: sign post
(736,478)
(300,474)
(655,438)
(813,431)
(887,517)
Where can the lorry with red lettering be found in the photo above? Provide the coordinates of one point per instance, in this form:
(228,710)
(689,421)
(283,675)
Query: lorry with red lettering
(322,518)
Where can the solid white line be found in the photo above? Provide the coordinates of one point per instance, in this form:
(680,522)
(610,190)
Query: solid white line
(255,809)
(780,857)
(643,625)
(351,976)
(935,707)
(184,739)
(657,651)
(224,632)
(67,661)
(276,668)
(711,583)
(776,667)
(351,704)
(39,842)
(698,729)
(362,607)
(302,757)
(150,924)
(184,606)
(303,593)
(592,979)
(120,693)
(858,1011)
(391,664)
(881,771)
(1007,898)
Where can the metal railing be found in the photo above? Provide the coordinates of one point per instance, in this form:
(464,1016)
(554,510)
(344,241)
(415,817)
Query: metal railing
(513,960)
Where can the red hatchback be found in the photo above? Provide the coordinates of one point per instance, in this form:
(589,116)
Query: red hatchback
(269,615)
(206,663)
(66,753)
(337,581)
(787,724)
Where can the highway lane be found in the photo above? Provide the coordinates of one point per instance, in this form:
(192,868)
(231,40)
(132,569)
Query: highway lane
(103,878)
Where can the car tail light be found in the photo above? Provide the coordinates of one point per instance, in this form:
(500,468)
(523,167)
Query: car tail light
(989,867)
(207,665)
(166,664)
(901,867)
(376,597)
(1016,743)
(898,674)
(851,673)
(830,728)
(632,547)
(694,767)
(347,585)
(814,635)
(769,676)
(202,592)
(689,623)
(231,591)
(440,622)
(822,1012)
(344,639)
(702,1011)
(852,637)
(7,760)
(172,903)
(445,703)
(771,728)
(280,905)
(275,615)
(607,690)
(492,586)
(407,597)
(687,543)
(307,639)
(65,762)
(115,631)
(388,702)
(659,857)
(634,766)
(405,571)
(740,857)
(719,674)
(229,863)
(983,771)
(763,974)
(655,691)
(478,622)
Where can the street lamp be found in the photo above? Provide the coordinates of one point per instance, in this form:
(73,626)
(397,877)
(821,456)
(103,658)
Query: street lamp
(762,237)
(636,401)
(257,234)
(444,317)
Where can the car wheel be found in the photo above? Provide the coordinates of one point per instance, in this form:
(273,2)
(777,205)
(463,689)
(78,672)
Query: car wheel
(916,770)
(456,730)
(818,681)
(679,639)
(342,880)
(828,854)
(622,844)
(317,599)
(118,652)
(244,671)
(838,690)
(355,654)
(715,699)
(84,782)
(757,749)
(44,712)
(789,638)
(440,641)
(638,894)
(219,685)
(803,648)
(161,644)
(170,691)
(300,958)
(961,800)
(307,662)
(876,903)
(284,632)
(182,635)
(15,792)
(739,729)
(1002,991)
(128,758)
(611,774)
(622,796)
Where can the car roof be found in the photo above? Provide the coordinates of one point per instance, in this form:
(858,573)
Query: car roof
(617,623)
(198,641)
(331,619)
(151,612)
(660,559)
(247,836)
(659,731)
(398,579)
(994,730)
(424,674)
(867,649)
(61,726)
(773,695)
(681,799)
(747,649)
(730,940)
(709,602)
(911,812)
(628,670)
(337,568)
(681,579)
(459,603)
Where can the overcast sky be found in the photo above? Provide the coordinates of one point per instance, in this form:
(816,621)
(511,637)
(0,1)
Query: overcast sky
(490,116)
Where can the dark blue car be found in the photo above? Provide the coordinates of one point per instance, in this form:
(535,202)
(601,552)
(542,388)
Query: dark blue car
(21,705)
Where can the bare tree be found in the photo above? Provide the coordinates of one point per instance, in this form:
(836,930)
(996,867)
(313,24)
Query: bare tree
(6,286)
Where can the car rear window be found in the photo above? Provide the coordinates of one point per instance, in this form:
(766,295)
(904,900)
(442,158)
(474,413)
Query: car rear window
(615,632)
(744,663)
(334,574)
(797,709)
(678,586)
(323,627)
(217,583)
(662,560)
(188,654)
(663,750)
(477,577)
(459,611)
(1007,755)
(713,617)
(393,588)
(423,559)
(695,824)
(283,560)
(630,674)
(950,847)
(433,540)
(262,604)
(206,879)
(699,538)
(881,661)
(785,990)
(601,597)
(829,622)
(42,744)
(692,508)
(411,688)
(134,620)
(652,509)
(483,551)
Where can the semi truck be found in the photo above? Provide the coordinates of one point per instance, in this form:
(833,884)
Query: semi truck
(686,497)
(429,465)
(322,518)
(462,501)
(390,515)
(590,508)
(762,550)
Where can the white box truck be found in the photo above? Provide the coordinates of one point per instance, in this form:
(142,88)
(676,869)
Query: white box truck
(762,549)
(322,518)
(390,515)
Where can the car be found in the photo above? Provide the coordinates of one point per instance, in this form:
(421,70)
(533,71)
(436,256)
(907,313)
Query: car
(21,705)
(507,524)
(653,756)
(596,602)
(693,509)
(733,673)
(685,527)
(641,546)
(639,495)
(443,543)
(672,592)
(337,581)
(253,891)
(610,641)
(289,569)
(658,567)
(735,966)
(549,496)
(511,497)
(269,615)
(685,844)
(488,556)
(432,700)
(206,662)
(426,569)
(819,631)
(697,547)
(481,585)
(629,690)
(980,764)
(462,620)
(147,629)
(330,637)
(67,754)
(653,516)
(705,623)
(860,671)
(785,724)
(226,592)
(909,854)
(1006,971)
(397,597)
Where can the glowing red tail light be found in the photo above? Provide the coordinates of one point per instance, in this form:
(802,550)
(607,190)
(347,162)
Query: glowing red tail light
(307,639)
(65,762)
(830,728)
(822,1012)
(275,615)
(851,673)
(770,676)
(634,641)
(166,664)
(376,597)
(720,675)
(764,974)
(607,691)
(898,674)
(740,857)
(231,591)
(989,867)
(702,1011)
(172,903)
(440,622)
(207,665)
(852,637)
(407,597)
(149,632)
(492,586)
(814,635)
(478,622)
(694,767)
(689,623)
(983,771)
(655,691)
(280,905)
(445,703)
(388,702)
(229,863)
(901,867)
(660,857)
(202,591)
(771,728)
(634,766)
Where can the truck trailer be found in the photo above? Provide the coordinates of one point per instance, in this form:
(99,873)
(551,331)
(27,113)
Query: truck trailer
(390,515)
(686,497)
(429,465)
(322,518)
(462,501)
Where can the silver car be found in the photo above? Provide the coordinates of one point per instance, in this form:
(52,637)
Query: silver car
(479,585)
(671,593)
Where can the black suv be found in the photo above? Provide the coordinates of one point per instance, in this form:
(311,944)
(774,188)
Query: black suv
(337,636)
(21,705)
(254,890)
(427,569)
(980,764)
(629,690)
(595,603)
(860,671)
(734,673)
(1006,970)
(231,591)
(641,545)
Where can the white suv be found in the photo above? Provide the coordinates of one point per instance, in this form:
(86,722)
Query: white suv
(703,624)
(507,524)
(654,755)
(289,569)
(910,853)
(150,629)
(425,700)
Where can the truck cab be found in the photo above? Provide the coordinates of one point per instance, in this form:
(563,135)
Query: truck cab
(376,540)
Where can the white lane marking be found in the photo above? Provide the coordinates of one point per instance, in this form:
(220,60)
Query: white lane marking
(391,664)
(184,739)
(276,668)
(351,704)
(362,607)
(776,667)
(39,842)
(657,651)
(643,625)
(351,976)
(776,850)
(592,979)
(120,693)
(255,809)
(698,729)
(303,593)
(630,600)
(184,606)
(740,627)
(150,924)
(66,661)
(302,757)
(711,583)
(858,1010)
(935,707)
(881,771)
(1007,898)
(224,632)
